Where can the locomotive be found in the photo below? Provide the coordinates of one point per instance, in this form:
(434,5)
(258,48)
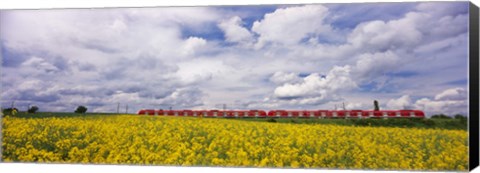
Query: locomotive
(288,113)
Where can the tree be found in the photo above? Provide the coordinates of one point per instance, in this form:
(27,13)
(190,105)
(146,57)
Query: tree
(32,109)
(81,109)
(441,116)
(460,116)
(10,111)
(375,104)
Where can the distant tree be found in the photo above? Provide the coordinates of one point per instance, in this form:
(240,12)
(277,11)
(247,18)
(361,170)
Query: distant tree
(375,104)
(441,116)
(81,109)
(460,116)
(32,109)
(10,111)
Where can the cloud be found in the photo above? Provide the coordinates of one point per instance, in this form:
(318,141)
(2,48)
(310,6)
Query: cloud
(448,107)
(380,35)
(199,57)
(39,65)
(450,102)
(371,66)
(316,89)
(234,31)
(283,77)
(452,94)
(288,26)
(354,106)
(192,45)
(403,102)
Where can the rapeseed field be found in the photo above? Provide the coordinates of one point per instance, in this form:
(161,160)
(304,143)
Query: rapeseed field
(188,141)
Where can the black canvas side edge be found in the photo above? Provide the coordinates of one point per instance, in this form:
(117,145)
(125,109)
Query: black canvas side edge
(473,87)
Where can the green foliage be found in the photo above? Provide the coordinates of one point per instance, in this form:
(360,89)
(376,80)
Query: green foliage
(81,109)
(460,117)
(10,111)
(32,109)
(457,124)
(272,120)
(441,116)
(59,114)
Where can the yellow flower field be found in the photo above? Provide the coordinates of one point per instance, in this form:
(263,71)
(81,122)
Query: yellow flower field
(133,139)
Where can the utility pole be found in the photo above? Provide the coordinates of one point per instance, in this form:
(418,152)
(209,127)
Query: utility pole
(224,107)
(13,104)
(343,105)
(335,107)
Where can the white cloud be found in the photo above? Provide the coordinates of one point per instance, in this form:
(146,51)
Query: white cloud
(234,31)
(39,65)
(200,70)
(371,66)
(283,77)
(154,55)
(452,94)
(316,89)
(403,102)
(354,106)
(380,35)
(288,26)
(448,107)
(450,102)
(192,45)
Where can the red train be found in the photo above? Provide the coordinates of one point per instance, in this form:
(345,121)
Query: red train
(288,113)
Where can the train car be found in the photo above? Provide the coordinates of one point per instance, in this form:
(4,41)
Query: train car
(188,113)
(160,112)
(278,113)
(288,113)
(256,113)
(308,114)
(146,112)
(322,113)
(355,114)
(412,114)
(230,114)
(200,113)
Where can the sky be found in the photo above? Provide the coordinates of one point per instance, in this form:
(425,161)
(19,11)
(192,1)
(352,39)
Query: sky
(317,56)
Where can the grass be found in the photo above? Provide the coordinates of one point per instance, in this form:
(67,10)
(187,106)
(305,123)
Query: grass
(56,114)
(457,124)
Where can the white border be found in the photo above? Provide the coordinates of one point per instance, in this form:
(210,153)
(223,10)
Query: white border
(47,4)
(62,168)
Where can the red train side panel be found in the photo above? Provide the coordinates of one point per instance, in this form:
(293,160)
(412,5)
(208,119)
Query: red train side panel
(289,113)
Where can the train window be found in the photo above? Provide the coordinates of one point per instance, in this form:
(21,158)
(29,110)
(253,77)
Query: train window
(412,114)
(359,114)
(347,114)
(385,114)
(324,114)
(334,114)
